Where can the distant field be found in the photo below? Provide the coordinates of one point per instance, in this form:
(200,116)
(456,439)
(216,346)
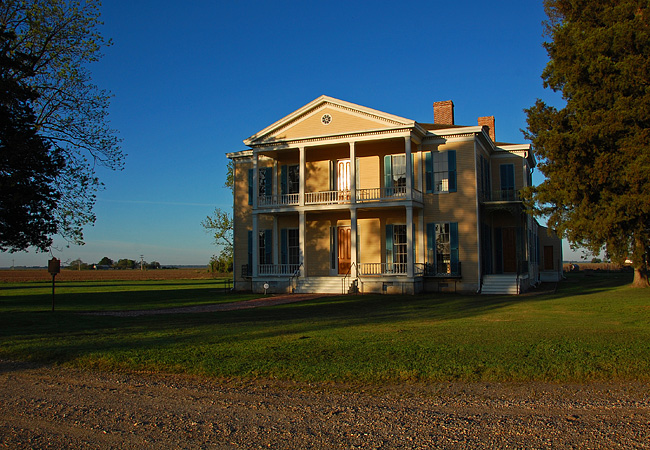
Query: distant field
(28,275)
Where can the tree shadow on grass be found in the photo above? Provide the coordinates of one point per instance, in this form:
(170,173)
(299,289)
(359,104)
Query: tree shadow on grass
(65,335)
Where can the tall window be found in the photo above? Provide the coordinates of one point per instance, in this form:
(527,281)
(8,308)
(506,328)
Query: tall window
(265,181)
(396,248)
(442,248)
(440,171)
(507,172)
(395,174)
(289,179)
(290,247)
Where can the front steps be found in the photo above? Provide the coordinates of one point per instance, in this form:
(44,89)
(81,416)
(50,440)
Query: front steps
(323,285)
(500,284)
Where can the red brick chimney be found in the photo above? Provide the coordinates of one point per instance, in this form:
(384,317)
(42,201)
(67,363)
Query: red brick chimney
(443,112)
(488,122)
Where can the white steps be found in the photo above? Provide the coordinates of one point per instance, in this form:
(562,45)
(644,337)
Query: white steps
(323,285)
(500,284)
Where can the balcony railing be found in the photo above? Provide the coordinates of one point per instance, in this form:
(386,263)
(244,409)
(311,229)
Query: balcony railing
(505,195)
(340,197)
(327,197)
(366,269)
(277,269)
(279,200)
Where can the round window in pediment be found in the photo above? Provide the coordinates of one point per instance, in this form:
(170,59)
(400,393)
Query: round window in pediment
(326,119)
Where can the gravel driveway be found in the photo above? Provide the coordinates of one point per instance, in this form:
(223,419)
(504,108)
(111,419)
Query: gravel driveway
(54,407)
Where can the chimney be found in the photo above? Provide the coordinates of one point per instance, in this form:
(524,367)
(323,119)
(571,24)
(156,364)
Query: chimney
(488,122)
(443,112)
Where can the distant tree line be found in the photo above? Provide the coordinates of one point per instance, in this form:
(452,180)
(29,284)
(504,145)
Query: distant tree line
(120,264)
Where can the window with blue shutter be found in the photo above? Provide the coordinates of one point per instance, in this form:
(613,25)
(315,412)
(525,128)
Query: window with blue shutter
(453,244)
(284,246)
(250,186)
(428,177)
(443,171)
(249,270)
(442,249)
(389,244)
(507,172)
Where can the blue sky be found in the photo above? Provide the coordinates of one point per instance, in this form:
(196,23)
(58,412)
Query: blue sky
(191,80)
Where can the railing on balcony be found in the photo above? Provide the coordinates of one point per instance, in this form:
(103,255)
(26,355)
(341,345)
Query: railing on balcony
(277,269)
(327,197)
(340,197)
(506,195)
(279,200)
(382,269)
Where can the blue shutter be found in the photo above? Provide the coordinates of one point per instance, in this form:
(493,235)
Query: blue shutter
(268,180)
(453,244)
(284,246)
(284,180)
(389,244)
(412,170)
(268,246)
(388,173)
(250,252)
(451,160)
(250,186)
(428,172)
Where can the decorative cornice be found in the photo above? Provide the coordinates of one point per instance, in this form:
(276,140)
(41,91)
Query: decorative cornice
(332,137)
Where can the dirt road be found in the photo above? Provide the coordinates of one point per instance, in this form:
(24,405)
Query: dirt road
(53,407)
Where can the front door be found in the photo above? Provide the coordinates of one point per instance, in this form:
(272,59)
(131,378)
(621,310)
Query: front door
(343,179)
(548,257)
(509,242)
(345,250)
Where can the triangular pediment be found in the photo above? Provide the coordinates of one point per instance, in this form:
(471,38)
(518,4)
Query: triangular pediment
(326,116)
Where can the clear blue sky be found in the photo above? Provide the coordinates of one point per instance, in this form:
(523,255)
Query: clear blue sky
(191,80)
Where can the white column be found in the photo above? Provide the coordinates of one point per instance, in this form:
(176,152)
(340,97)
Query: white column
(276,241)
(256,181)
(421,238)
(353,242)
(303,173)
(409,168)
(303,240)
(409,241)
(256,244)
(353,173)
(420,186)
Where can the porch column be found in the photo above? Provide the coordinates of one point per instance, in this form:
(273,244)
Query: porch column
(409,242)
(303,239)
(421,238)
(409,169)
(353,242)
(303,173)
(276,242)
(256,244)
(256,180)
(353,175)
(420,184)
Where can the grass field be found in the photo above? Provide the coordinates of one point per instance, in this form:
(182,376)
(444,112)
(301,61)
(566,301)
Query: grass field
(593,328)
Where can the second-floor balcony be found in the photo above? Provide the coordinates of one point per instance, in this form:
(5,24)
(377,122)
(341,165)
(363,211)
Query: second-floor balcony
(341,197)
(503,195)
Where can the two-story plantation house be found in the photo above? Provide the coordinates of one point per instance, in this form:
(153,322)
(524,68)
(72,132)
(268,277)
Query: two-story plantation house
(337,196)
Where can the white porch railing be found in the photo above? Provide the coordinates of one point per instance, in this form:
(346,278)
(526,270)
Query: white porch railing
(277,269)
(339,197)
(327,197)
(279,200)
(382,268)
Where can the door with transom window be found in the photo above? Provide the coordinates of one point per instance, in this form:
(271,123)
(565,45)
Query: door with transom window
(344,250)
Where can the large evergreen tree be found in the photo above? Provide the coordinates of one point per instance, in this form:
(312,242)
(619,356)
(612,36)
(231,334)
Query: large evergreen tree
(595,152)
(28,165)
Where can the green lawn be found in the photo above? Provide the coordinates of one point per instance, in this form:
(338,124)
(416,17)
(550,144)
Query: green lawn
(593,328)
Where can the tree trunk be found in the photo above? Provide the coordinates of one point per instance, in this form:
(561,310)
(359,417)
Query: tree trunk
(640,264)
(640,278)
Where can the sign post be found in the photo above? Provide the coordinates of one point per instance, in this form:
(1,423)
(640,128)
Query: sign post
(54,267)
